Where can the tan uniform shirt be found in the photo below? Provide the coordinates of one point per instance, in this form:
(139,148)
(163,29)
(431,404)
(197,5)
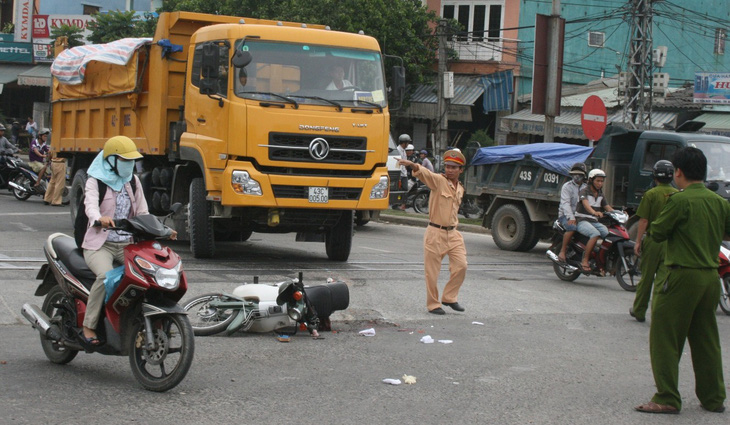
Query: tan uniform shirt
(445,199)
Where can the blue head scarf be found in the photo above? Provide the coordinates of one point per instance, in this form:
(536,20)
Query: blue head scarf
(101,169)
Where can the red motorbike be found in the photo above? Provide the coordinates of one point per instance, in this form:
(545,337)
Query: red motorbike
(614,256)
(140,319)
(724,272)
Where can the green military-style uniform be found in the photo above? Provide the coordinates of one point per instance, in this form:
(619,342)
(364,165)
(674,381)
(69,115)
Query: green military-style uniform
(652,252)
(693,223)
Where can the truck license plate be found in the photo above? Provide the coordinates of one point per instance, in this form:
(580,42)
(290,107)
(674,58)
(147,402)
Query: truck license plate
(318,195)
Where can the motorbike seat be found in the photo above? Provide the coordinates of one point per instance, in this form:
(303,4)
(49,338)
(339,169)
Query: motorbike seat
(73,258)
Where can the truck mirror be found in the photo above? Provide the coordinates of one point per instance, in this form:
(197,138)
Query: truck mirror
(399,85)
(241,59)
(210,61)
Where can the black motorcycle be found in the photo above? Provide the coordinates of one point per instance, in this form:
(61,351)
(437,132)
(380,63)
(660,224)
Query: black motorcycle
(18,177)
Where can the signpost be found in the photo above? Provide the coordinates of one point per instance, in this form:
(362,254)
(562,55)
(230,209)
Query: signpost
(593,119)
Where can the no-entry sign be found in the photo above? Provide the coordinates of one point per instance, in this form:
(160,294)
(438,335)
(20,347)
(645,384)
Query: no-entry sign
(593,118)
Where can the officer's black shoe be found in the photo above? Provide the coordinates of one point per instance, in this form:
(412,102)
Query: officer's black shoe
(455,306)
(437,310)
(638,319)
(718,410)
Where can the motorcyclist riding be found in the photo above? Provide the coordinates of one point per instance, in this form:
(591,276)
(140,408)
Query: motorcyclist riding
(6,148)
(588,211)
(569,198)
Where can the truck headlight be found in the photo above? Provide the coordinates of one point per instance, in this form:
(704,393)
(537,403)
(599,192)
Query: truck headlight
(380,190)
(243,184)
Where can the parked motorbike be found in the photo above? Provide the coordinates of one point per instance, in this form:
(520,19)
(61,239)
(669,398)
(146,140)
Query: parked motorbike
(724,272)
(614,256)
(140,319)
(256,307)
(17,176)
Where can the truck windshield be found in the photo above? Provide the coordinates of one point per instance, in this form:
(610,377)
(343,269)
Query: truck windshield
(311,74)
(718,158)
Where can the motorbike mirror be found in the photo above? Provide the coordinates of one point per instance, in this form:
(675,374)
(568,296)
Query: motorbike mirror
(285,293)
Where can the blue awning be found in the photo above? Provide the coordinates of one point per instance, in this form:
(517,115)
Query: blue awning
(497,88)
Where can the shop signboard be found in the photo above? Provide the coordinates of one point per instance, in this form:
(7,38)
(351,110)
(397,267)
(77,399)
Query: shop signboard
(23,24)
(16,52)
(44,24)
(712,88)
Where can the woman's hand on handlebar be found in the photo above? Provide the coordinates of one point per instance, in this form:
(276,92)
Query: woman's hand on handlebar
(106,222)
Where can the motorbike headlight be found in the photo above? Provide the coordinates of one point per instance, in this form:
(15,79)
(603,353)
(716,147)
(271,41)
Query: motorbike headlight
(294,313)
(164,277)
(380,190)
(243,184)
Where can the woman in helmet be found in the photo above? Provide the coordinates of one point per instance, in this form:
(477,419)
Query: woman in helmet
(113,167)
(589,210)
(39,150)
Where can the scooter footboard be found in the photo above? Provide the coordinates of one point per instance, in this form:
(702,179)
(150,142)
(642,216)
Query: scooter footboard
(329,298)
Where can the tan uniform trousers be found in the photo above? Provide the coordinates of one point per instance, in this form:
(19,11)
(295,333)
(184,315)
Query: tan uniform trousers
(438,243)
(54,193)
(100,262)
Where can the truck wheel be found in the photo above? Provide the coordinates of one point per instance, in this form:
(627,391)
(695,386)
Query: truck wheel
(338,240)
(532,238)
(78,185)
(202,243)
(511,227)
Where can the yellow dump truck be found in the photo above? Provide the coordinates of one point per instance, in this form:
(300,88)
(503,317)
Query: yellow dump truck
(253,125)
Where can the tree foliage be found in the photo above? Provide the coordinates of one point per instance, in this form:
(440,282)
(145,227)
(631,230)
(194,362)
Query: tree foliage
(403,28)
(107,27)
(71,32)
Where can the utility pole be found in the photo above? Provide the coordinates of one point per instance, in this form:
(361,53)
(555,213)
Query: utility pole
(442,123)
(552,96)
(638,100)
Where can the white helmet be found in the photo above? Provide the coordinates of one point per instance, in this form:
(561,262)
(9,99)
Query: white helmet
(410,147)
(596,172)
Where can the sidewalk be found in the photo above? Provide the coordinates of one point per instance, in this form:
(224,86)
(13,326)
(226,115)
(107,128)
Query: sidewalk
(421,220)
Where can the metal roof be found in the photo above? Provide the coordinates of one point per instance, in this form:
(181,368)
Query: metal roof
(467,90)
(9,72)
(658,119)
(715,123)
(39,75)
(609,97)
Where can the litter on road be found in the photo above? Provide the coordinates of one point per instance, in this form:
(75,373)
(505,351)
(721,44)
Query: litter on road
(367,332)
(391,381)
(427,339)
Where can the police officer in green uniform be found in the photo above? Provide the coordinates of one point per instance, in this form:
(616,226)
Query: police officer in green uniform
(651,252)
(693,223)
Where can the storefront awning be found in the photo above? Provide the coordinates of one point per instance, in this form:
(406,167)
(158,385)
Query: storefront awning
(39,75)
(715,123)
(9,73)
(467,90)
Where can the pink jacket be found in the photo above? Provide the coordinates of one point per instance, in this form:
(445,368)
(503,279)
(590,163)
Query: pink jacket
(95,236)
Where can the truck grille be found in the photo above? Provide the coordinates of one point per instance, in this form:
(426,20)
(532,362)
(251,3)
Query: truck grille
(302,192)
(296,147)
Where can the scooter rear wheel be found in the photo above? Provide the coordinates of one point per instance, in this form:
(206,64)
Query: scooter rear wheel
(207,320)
(56,353)
(22,195)
(625,279)
(420,202)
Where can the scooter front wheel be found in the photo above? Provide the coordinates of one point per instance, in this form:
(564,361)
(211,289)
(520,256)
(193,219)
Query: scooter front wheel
(420,202)
(628,278)
(206,319)
(161,364)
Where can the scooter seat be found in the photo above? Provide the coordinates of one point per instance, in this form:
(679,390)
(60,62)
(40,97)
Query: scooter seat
(72,257)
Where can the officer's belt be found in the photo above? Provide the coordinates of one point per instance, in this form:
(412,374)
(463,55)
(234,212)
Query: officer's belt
(441,227)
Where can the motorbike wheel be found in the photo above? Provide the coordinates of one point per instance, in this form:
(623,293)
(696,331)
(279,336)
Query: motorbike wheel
(23,181)
(207,320)
(420,202)
(165,366)
(562,272)
(624,278)
(56,353)
(725,295)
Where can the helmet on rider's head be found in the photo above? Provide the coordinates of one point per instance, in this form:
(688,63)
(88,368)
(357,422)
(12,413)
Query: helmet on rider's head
(410,147)
(663,171)
(2,127)
(121,146)
(404,138)
(44,131)
(596,172)
(578,168)
(424,151)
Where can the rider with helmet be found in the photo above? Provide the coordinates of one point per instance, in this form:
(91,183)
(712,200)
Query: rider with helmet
(403,141)
(589,211)
(114,167)
(569,198)
(39,150)
(651,252)
(6,148)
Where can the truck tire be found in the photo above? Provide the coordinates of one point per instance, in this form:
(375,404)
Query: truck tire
(78,185)
(202,242)
(511,227)
(338,240)
(532,238)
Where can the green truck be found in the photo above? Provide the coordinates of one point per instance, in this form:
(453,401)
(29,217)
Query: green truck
(520,197)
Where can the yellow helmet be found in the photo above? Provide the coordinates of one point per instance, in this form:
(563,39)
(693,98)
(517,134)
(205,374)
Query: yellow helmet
(122,146)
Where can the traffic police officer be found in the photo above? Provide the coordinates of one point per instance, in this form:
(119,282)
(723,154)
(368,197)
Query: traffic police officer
(693,222)
(441,236)
(651,252)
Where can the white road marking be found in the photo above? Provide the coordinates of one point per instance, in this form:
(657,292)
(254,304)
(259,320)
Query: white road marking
(23,227)
(375,249)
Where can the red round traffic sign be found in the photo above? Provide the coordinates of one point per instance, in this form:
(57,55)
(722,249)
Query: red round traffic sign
(593,118)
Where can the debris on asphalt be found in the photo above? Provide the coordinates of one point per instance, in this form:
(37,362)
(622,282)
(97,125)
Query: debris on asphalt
(391,381)
(427,339)
(408,379)
(283,338)
(445,341)
(477,323)
(367,332)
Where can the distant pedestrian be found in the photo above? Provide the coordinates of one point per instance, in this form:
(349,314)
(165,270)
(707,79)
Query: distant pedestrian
(441,236)
(425,161)
(651,252)
(15,132)
(403,141)
(693,222)
(32,128)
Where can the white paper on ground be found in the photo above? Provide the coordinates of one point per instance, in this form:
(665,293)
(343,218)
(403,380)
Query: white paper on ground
(367,332)
(391,381)
(427,339)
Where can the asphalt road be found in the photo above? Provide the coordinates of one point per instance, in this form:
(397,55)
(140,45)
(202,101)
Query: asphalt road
(547,351)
